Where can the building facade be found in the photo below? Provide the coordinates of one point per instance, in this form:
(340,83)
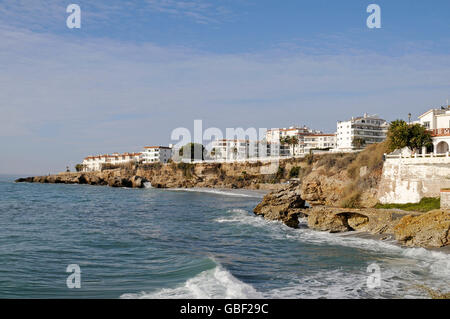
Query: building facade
(437,121)
(95,163)
(156,154)
(226,149)
(369,129)
(307,140)
(311,142)
(276,134)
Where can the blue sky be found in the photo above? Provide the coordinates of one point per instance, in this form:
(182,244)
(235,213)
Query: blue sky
(136,70)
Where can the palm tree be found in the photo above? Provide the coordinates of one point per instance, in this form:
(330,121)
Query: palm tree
(294,142)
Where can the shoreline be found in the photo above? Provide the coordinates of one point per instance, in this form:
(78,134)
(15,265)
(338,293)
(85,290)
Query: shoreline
(286,202)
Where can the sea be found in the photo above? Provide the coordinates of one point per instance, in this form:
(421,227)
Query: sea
(197,243)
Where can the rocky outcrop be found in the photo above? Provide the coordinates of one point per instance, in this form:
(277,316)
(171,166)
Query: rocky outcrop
(337,220)
(428,230)
(250,175)
(319,189)
(110,178)
(284,205)
(409,228)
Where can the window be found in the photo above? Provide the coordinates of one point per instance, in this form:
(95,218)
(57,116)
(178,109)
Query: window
(426,124)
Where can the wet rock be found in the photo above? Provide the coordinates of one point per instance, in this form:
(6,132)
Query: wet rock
(137,182)
(24,180)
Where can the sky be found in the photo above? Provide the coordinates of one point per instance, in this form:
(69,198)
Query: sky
(137,70)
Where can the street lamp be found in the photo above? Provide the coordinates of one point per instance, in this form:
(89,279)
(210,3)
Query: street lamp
(409,118)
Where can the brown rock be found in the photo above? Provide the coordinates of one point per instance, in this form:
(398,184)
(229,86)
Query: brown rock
(331,219)
(331,222)
(427,230)
(284,205)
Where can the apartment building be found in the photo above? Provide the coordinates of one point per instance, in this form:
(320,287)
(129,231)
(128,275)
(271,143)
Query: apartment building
(276,134)
(95,163)
(233,149)
(156,154)
(310,142)
(371,129)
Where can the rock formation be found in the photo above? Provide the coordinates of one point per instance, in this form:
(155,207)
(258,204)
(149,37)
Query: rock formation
(284,205)
(428,230)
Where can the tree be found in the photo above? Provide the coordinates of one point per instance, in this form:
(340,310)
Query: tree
(79,167)
(419,137)
(193,151)
(413,136)
(294,142)
(291,141)
(358,142)
(398,135)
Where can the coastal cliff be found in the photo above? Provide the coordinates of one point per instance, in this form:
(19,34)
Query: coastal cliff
(249,175)
(341,190)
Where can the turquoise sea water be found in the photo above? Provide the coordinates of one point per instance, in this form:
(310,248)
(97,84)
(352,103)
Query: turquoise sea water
(151,243)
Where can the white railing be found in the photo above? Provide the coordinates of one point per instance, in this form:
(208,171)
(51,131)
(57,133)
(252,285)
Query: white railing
(429,155)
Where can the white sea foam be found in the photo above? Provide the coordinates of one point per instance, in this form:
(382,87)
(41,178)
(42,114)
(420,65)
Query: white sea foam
(434,263)
(148,185)
(211,284)
(403,270)
(239,193)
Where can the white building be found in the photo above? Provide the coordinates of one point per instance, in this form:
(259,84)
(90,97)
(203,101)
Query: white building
(310,142)
(95,163)
(226,149)
(307,138)
(371,129)
(156,154)
(276,134)
(438,122)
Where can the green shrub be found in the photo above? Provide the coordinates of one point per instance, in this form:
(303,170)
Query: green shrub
(294,172)
(280,172)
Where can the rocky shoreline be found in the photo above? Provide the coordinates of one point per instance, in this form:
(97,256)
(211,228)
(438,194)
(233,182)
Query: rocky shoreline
(428,230)
(341,189)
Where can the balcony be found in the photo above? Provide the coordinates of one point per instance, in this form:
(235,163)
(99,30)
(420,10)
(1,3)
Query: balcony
(440,132)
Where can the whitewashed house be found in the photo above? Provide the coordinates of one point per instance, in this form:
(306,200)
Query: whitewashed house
(437,121)
(371,129)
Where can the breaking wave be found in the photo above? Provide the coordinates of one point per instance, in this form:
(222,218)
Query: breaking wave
(210,284)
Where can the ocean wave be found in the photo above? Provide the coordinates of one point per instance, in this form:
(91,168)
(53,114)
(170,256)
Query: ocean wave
(217,283)
(238,193)
(435,262)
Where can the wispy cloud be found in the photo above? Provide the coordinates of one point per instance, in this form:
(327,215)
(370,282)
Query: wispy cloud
(63,99)
(202,11)
(38,16)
